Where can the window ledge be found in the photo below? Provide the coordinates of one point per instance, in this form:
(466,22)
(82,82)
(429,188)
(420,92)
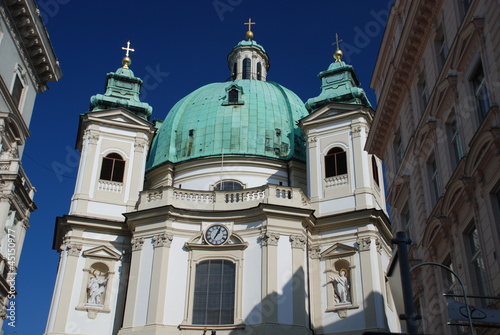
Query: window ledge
(340,307)
(212,327)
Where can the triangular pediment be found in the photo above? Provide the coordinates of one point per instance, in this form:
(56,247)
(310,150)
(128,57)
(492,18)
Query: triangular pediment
(330,113)
(338,250)
(118,117)
(102,252)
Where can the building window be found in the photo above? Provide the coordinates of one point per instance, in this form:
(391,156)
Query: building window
(476,258)
(335,162)
(214,292)
(375,171)
(228,185)
(113,167)
(406,223)
(259,71)
(233,96)
(398,149)
(441,50)
(465,4)
(433,178)
(423,91)
(246,68)
(17,91)
(235,71)
(480,90)
(454,138)
(448,277)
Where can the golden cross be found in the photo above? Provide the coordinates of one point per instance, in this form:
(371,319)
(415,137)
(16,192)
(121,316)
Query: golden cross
(128,48)
(249,24)
(337,41)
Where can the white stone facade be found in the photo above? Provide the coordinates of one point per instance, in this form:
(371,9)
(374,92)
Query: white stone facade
(299,253)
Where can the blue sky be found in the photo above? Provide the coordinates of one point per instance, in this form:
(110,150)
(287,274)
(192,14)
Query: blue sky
(180,46)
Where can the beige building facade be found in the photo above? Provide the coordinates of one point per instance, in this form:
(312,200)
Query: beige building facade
(436,128)
(27,64)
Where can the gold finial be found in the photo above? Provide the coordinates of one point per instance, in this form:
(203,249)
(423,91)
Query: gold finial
(126,61)
(249,34)
(338,53)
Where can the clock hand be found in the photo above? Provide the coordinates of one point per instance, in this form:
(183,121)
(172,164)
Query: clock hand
(217,233)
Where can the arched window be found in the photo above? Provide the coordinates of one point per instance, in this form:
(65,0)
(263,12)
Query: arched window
(259,71)
(235,70)
(214,292)
(113,167)
(233,96)
(375,170)
(228,185)
(335,162)
(246,68)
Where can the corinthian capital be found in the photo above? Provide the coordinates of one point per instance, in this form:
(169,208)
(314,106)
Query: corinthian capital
(269,238)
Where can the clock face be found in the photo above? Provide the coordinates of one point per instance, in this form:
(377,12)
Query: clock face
(216,234)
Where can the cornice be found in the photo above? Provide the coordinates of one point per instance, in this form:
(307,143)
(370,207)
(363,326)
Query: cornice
(25,25)
(409,51)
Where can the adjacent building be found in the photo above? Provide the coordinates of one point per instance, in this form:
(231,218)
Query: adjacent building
(27,64)
(437,129)
(245,211)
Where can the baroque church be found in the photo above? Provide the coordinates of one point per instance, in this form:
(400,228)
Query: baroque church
(245,211)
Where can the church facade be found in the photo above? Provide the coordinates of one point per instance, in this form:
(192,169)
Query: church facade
(245,211)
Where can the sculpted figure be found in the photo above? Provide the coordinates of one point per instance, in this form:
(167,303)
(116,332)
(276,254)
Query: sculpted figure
(96,288)
(341,287)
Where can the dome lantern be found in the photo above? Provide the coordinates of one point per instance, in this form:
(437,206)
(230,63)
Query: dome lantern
(248,59)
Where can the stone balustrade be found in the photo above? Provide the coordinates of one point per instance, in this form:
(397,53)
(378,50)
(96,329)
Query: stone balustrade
(223,200)
(110,186)
(336,180)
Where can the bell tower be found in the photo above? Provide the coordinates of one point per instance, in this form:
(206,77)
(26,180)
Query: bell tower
(336,130)
(113,137)
(93,239)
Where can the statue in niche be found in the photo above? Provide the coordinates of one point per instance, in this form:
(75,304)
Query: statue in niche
(96,287)
(341,287)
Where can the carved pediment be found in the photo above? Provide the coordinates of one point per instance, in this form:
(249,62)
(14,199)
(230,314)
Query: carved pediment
(102,252)
(117,116)
(399,191)
(330,112)
(338,250)
(425,137)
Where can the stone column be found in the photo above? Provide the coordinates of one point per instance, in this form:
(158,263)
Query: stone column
(133,282)
(314,178)
(73,251)
(298,279)
(158,291)
(367,281)
(315,288)
(269,241)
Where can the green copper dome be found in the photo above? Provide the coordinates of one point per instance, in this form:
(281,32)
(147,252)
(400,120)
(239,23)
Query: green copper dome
(241,117)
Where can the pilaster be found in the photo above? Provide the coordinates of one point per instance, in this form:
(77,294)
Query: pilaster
(133,287)
(369,290)
(158,291)
(73,251)
(269,296)
(298,279)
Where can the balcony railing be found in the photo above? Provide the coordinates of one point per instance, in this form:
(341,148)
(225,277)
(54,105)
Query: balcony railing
(110,186)
(336,180)
(223,200)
